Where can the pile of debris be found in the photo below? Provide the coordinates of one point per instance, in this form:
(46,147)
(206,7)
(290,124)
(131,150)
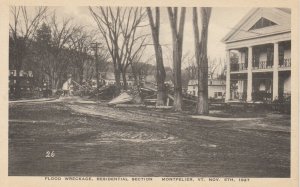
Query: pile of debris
(136,96)
(131,96)
(140,96)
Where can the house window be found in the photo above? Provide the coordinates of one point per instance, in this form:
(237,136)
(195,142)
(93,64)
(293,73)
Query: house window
(218,94)
(194,92)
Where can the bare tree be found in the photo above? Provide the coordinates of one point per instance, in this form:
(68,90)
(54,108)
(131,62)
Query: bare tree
(135,47)
(201,58)
(140,69)
(177,38)
(61,44)
(213,65)
(80,43)
(118,27)
(90,64)
(160,69)
(191,68)
(22,27)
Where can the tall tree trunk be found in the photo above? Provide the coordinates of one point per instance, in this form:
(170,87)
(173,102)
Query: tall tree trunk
(53,83)
(177,77)
(124,80)
(160,69)
(201,58)
(57,84)
(177,37)
(135,75)
(160,78)
(117,73)
(81,72)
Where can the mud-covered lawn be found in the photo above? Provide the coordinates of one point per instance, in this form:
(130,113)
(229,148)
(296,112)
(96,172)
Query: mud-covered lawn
(97,140)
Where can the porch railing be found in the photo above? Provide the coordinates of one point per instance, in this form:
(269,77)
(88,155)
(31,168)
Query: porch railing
(238,67)
(261,96)
(262,65)
(285,63)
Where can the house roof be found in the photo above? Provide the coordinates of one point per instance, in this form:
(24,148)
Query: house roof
(280,16)
(287,10)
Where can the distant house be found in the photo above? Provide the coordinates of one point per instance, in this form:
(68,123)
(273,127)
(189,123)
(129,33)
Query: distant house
(216,88)
(262,40)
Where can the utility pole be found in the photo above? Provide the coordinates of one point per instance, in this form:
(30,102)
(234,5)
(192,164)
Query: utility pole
(95,47)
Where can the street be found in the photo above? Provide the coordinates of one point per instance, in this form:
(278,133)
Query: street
(69,138)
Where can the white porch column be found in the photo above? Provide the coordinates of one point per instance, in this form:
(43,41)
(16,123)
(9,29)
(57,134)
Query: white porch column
(249,78)
(275,71)
(227,94)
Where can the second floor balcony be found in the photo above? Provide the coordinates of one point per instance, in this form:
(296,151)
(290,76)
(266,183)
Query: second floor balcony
(262,65)
(261,57)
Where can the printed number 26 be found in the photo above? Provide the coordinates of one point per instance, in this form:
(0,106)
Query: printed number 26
(50,154)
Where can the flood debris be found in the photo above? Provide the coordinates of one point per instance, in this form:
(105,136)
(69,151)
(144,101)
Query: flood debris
(137,96)
(146,96)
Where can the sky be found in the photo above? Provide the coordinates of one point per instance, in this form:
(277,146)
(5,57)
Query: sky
(222,20)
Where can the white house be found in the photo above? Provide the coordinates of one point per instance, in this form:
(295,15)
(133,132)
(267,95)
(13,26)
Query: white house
(262,40)
(216,88)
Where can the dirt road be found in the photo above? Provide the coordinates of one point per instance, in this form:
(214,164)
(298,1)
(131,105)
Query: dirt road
(97,140)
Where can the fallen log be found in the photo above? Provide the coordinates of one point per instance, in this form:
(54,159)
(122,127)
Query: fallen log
(122,98)
(160,107)
(130,106)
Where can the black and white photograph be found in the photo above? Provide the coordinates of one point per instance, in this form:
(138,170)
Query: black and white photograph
(137,91)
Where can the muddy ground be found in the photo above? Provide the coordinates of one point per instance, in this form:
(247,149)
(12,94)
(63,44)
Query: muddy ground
(96,140)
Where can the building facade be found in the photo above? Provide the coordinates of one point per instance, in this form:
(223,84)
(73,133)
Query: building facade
(108,78)
(262,42)
(25,78)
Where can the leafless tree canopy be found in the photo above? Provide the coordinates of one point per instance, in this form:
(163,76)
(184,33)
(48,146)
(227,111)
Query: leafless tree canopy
(23,24)
(119,27)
